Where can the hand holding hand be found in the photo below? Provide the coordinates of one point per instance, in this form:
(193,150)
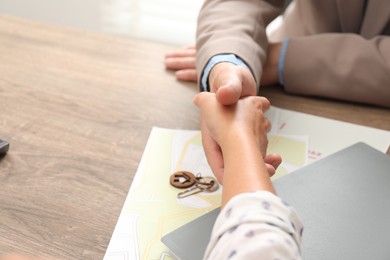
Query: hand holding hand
(221,125)
(231,82)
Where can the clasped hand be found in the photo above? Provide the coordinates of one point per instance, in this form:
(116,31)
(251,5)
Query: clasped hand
(231,109)
(236,105)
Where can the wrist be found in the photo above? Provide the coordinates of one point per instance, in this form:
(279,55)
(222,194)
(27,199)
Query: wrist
(245,169)
(238,141)
(271,67)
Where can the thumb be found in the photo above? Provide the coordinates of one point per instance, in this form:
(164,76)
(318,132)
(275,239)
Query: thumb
(225,80)
(231,82)
(230,92)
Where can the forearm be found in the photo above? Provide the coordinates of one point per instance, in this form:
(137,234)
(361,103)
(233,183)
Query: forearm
(236,27)
(249,222)
(340,66)
(245,169)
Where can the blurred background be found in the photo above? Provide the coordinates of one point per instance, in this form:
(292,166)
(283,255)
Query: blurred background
(166,21)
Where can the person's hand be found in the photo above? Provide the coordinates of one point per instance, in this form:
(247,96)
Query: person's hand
(270,68)
(183,62)
(231,82)
(221,123)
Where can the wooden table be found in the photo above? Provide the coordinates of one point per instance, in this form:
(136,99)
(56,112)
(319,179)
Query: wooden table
(77,109)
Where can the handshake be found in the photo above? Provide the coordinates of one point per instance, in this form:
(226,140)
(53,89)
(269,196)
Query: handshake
(233,125)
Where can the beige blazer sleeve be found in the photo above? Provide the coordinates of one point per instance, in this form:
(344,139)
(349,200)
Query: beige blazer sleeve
(340,66)
(236,27)
(337,48)
(345,54)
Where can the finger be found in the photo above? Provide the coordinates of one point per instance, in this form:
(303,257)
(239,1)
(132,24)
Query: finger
(187,52)
(263,145)
(270,169)
(265,104)
(202,98)
(215,160)
(213,154)
(267,125)
(180,63)
(199,98)
(187,75)
(273,159)
(190,46)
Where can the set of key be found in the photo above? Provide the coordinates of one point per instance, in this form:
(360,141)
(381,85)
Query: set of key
(193,184)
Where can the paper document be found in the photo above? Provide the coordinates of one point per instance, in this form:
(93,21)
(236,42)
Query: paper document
(152,209)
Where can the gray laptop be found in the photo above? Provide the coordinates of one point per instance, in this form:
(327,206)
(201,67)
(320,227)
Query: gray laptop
(343,200)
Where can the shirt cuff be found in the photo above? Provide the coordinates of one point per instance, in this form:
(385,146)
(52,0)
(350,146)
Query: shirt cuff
(282,58)
(214,61)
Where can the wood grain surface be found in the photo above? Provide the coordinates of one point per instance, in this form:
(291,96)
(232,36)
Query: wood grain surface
(77,109)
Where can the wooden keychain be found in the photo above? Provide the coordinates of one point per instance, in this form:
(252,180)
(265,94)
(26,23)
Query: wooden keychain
(182,179)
